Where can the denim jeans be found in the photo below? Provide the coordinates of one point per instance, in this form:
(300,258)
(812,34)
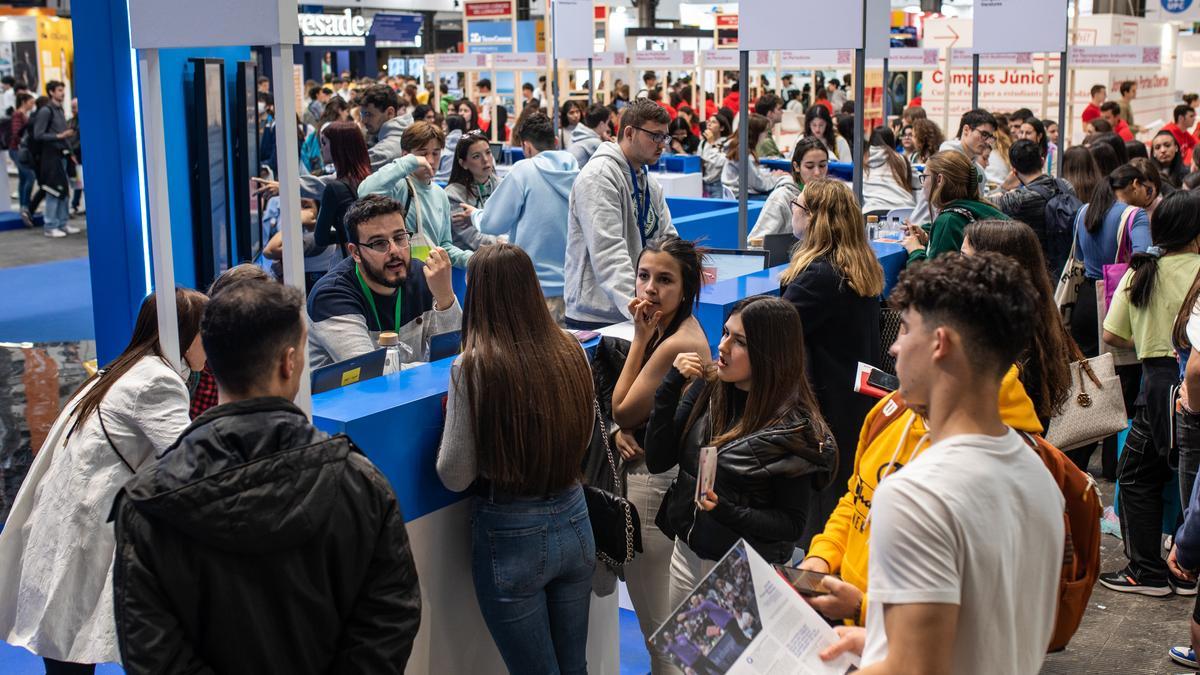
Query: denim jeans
(532,561)
(26,177)
(1187,440)
(57,208)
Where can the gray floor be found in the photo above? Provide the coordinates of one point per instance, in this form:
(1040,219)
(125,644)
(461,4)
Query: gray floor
(1123,633)
(29,246)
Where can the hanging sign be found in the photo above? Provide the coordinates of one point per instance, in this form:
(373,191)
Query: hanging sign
(817,57)
(1002,26)
(669,58)
(962,57)
(771,24)
(1116,55)
(574,28)
(601,60)
(490,9)
(458,61)
(518,61)
(912,58)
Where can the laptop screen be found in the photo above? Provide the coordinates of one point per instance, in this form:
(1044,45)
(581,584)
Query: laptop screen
(732,263)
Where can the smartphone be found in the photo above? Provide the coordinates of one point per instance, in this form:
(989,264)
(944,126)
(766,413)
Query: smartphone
(585,335)
(707,473)
(805,582)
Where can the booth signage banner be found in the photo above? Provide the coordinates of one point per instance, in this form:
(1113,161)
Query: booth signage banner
(721,58)
(670,58)
(771,24)
(912,58)
(601,60)
(817,57)
(1117,55)
(488,10)
(458,61)
(1187,58)
(574,28)
(879,29)
(401,30)
(1002,26)
(518,61)
(962,58)
(727,21)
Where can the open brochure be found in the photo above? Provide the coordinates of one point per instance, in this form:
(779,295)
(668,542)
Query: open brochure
(745,618)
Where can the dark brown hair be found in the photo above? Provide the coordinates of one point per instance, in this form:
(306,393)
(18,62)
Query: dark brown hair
(927,137)
(528,381)
(1044,369)
(775,344)
(1174,227)
(1104,196)
(758,126)
(189,306)
(690,259)
(1080,170)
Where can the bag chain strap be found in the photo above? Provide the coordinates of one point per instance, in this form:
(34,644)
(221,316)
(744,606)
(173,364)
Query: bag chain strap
(604,557)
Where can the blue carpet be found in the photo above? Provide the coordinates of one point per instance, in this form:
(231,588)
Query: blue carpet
(48,302)
(634,658)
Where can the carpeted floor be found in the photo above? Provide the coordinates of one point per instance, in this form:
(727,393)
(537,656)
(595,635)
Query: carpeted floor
(46,302)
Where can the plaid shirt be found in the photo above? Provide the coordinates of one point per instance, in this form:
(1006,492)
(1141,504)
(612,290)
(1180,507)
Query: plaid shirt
(204,396)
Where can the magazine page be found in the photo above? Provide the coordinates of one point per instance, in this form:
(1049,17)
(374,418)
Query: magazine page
(744,619)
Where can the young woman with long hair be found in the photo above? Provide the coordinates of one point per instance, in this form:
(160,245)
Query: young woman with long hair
(887,177)
(472,181)
(951,185)
(1044,369)
(342,145)
(810,161)
(469,112)
(683,141)
(818,123)
(927,139)
(1155,183)
(774,449)
(713,145)
(57,546)
(761,180)
(569,116)
(1144,311)
(908,145)
(834,281)
(1080,170)
(1167,158)
(519,419)
(669,277)
(1106,158)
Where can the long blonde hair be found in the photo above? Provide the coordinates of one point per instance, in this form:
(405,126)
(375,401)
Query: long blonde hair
(836,231)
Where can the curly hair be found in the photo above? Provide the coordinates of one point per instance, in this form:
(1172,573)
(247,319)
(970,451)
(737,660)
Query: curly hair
(988,298)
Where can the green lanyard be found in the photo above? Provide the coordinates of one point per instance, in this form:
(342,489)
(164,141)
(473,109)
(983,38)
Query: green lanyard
(484,193)
(371,300)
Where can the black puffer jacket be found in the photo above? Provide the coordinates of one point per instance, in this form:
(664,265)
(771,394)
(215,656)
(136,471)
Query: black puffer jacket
(763,480)
(258,544)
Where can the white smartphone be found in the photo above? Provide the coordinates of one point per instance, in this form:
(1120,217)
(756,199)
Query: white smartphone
(707,472)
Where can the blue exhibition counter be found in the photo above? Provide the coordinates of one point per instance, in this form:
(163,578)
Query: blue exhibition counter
(397,422)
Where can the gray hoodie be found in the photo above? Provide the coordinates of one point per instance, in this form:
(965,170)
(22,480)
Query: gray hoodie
(584,142)
(603,238)
(776,215)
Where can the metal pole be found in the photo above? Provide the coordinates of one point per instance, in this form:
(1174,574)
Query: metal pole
(974,81)
(288,158)
(591,82)
(887,93)
(743,142)
(554,79)
(159,205)
(1062,109)
(856,150)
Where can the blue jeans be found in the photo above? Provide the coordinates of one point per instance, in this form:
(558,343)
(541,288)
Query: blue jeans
(532,562)
(26,177)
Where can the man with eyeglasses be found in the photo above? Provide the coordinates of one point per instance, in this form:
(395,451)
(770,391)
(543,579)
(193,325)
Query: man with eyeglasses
(976,138)
(616,206)
(380,287)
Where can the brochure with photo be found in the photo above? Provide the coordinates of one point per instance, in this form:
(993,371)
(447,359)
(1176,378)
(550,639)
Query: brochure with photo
(745,618)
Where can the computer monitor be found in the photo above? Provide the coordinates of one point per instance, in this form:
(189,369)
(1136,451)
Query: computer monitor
(779,248)
(352,370)
(731,263)
(445,345)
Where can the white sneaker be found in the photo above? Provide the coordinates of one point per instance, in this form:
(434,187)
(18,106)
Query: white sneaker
(55,233)
(71,229)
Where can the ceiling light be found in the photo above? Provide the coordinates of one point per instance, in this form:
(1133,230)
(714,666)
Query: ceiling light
(912,9)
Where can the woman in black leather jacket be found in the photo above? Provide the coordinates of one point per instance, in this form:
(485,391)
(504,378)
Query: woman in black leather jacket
(773,447)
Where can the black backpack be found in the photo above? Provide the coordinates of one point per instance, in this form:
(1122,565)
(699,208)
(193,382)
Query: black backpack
(1061,207)
(6,125)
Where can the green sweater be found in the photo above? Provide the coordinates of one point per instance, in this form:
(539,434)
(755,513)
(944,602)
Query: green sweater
(946,232)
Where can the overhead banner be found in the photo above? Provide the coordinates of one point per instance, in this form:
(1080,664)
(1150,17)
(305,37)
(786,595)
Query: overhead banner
(770,24)
(1126,56)
(962,57)
(668,58)
(1003,26)
(601,60)
(488,9)
(518,61)
(879,29)
(574,28)
(912,58)
(816,57)
(458,61)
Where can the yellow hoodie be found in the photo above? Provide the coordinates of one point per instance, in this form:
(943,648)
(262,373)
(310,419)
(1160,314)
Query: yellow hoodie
(843,544)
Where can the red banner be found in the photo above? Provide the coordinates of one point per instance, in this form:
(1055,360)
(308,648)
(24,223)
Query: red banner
(477,10)
(727,21)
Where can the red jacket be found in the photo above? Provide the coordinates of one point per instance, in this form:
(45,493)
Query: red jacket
(710,108)
(1122,130)
(1091,112)
(1187,142)
(670,111)
(732,102)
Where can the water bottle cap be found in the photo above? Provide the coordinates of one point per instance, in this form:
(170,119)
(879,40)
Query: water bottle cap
(388,339)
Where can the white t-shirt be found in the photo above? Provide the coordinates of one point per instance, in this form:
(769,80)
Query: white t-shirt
(974,521)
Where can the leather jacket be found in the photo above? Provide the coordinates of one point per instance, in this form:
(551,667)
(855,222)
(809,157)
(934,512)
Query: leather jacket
(764,480)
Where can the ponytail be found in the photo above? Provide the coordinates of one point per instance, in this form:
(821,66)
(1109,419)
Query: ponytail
(1175,228)
(1145,271)
(1104,195)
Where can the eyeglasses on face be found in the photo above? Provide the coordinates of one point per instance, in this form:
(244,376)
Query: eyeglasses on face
(797,205)
(661,139)
(382,244)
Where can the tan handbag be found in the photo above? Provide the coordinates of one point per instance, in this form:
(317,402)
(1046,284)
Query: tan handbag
(1095,408)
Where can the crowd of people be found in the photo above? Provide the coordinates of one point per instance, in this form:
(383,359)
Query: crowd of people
(941,531)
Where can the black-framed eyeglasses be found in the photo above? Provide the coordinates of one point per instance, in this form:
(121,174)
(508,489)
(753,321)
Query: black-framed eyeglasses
(798,205)
(401,240)
(661,139)
(924,177)
(986,135)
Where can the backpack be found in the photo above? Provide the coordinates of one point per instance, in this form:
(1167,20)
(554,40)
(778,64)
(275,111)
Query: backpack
(1059,214)
(6,125)
(1081,524)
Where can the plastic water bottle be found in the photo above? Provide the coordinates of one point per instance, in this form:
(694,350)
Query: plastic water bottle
(394,357)
(872,227)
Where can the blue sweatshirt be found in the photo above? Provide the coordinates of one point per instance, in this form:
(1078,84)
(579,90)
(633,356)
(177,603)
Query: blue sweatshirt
(430,210)
(530,206)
